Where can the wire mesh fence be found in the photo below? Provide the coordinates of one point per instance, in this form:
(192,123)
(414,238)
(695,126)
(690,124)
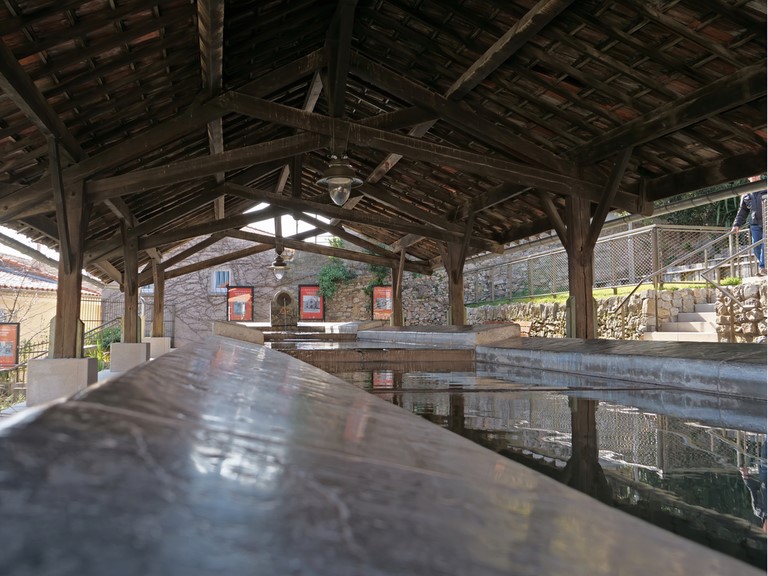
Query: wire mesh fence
(621,259)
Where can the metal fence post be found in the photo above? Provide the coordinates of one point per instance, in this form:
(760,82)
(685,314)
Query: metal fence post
(655,252)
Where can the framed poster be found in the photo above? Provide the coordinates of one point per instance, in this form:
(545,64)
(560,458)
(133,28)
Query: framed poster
(9,343)
(311,306)
(381,302)
(240,303)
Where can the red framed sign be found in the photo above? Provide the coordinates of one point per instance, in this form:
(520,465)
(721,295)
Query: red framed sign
(311,305)
(9,343)
(381,302)
(240,303)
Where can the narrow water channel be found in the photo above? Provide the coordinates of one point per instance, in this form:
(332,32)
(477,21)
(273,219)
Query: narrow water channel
(685,462)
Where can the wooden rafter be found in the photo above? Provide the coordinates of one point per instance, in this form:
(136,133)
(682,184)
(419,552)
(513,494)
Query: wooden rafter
(331,251)
(743,86)
(344,214)
(17,85)
(426,151)
(339,46)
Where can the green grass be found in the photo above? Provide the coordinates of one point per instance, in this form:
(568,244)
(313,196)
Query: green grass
(599,294)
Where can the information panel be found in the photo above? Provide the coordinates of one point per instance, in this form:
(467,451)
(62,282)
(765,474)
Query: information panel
(240,303)
(9,344)
(381,303)
(311,303)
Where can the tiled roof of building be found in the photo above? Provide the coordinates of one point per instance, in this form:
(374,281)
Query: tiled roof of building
(22,274)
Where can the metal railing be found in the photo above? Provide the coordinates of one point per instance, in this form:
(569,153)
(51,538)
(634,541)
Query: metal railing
(620,260)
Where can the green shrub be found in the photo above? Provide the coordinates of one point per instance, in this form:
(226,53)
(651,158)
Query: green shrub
(730,281)
(332,275)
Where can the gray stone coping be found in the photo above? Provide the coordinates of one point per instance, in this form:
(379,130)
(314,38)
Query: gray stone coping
(729,369)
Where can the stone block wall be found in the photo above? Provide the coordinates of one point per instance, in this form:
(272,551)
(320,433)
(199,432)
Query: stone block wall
(743,324)
(425,301)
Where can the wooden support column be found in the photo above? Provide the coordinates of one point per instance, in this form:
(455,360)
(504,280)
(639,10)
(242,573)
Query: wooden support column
(72,216)
(158,304)
(130,286)
(397,292)
(583,230)
(581,308)
(453,261)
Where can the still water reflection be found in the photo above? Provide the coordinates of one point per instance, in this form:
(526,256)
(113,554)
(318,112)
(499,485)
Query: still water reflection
(686,474)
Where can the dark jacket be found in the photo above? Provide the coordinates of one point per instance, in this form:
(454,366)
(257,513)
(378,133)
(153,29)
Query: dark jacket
(751,204)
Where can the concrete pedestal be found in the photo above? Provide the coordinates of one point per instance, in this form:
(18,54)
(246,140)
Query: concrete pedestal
(158,345)
(51,378)
(124,356)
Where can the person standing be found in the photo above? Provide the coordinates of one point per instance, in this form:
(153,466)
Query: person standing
(752,205)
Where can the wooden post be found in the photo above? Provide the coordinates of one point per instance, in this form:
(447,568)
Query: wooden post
(130,287)
(68,291)
(581,307)
(453,260)
(397,292)
(158,304)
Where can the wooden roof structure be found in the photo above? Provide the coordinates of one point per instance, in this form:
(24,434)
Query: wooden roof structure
(469,121)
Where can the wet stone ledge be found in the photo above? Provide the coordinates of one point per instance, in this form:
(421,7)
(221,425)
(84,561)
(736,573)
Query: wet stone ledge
(230,458)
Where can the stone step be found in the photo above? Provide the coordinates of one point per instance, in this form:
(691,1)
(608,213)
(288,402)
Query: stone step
(680,336)
(688,327)
(697,317)
(704,307)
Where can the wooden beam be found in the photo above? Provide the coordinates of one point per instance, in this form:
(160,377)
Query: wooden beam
(609,193)
(331,211)
(223,259)
(339,232)
(216,261)
(143,180)
(22,91)
(554,217)
(130,287)
(69,286)
(182,123)
(405,242)
(741,87)
(539,16)
(210,25)
(232,222)
(381,196)
(411,147)
(338,43)
(158,301)
(59,197)
(523,30)
(457,114)
(145,276)
(330,251)
(582,316)
(718,172)
(110,271)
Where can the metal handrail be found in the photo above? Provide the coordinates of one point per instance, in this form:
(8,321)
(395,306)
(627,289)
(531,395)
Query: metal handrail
(666,266)
(714,284)
(102,327)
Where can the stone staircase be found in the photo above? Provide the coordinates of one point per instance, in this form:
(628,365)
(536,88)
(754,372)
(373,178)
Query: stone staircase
(697,326)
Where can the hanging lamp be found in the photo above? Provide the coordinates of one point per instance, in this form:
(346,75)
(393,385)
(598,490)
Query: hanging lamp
(339,178)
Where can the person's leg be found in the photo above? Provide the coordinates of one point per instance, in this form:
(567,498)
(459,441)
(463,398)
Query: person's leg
(757,234)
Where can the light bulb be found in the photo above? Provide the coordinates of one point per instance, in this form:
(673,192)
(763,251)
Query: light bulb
(339,189)
(279,272)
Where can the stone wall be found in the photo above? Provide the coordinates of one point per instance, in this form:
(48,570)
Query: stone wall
(639,315)
(425,301)
(743,324)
